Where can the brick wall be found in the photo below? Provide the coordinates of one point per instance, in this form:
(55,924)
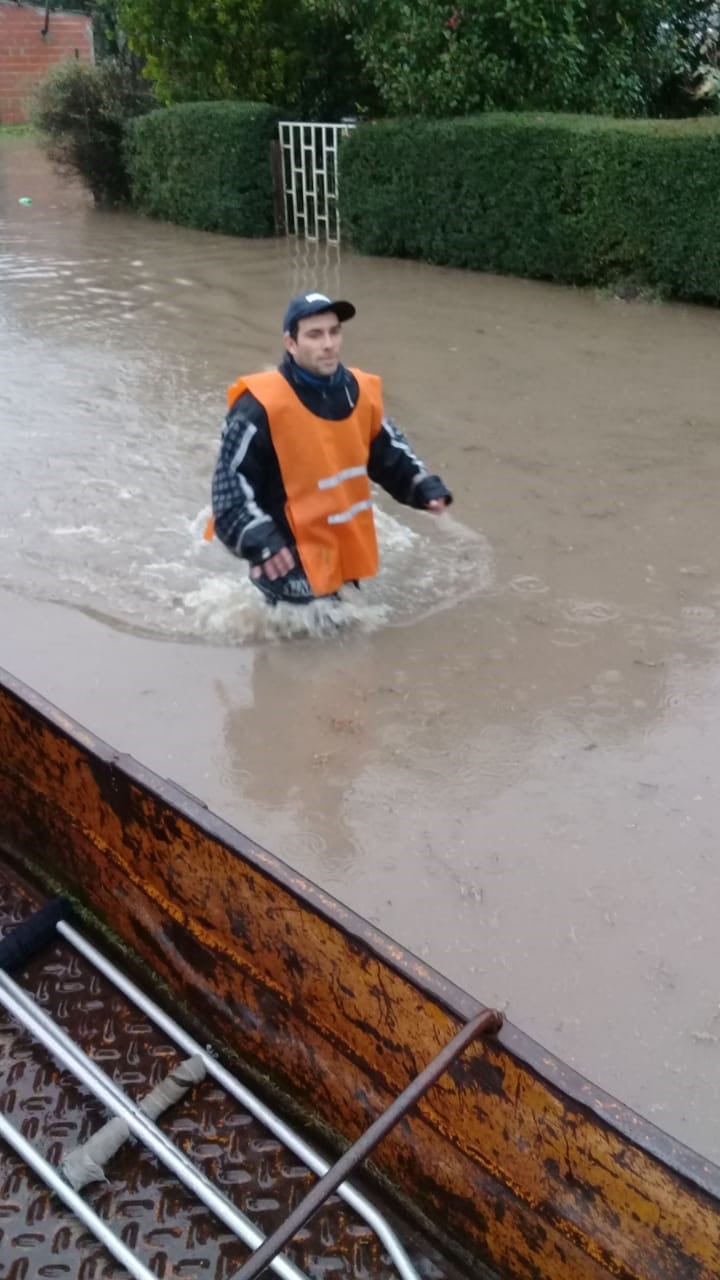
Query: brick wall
(26,55)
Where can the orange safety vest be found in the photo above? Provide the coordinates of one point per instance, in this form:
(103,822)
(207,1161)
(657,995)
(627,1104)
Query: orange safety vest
(323,466)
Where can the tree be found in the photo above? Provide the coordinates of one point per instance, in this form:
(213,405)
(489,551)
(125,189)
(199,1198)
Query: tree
(291,54)
(82,110)
(444,57)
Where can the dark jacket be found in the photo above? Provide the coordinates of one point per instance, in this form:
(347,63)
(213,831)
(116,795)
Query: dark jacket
(248,495)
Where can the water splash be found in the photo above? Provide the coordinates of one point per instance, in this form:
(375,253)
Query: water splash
(231,610)
(422,572)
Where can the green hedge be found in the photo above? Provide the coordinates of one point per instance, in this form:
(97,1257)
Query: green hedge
(206,165)
(575,199)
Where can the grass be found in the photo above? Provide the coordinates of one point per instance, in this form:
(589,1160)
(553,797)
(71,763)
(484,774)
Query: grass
(17,131)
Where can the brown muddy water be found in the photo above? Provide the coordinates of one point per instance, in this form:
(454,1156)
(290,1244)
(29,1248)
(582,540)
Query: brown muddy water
(507,756)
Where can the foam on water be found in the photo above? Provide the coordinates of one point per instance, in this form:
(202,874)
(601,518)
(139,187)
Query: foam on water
(421,573)
(167,581)
(232,610)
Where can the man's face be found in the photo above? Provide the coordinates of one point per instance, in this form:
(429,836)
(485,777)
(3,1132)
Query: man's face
(317,345)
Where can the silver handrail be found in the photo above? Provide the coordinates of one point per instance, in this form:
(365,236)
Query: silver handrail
(26,1011)
(281,1130)
(52,1179)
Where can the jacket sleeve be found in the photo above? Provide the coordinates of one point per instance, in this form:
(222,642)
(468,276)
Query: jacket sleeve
(245,460)
(393,465)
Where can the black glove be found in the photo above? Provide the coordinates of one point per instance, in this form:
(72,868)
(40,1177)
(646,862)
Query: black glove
(428,489)
(265,543)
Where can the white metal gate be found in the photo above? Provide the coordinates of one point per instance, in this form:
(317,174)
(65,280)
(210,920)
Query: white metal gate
(310,178)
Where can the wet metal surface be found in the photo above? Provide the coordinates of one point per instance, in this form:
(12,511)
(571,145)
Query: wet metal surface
(508,760)
(155,1216)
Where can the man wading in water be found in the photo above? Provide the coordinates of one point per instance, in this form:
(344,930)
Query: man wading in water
(300,445)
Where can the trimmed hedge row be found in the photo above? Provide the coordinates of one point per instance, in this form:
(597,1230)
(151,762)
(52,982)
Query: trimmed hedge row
(205,165)
(575,199)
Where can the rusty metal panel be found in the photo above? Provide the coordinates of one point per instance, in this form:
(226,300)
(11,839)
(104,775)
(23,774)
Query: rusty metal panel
(512,1152)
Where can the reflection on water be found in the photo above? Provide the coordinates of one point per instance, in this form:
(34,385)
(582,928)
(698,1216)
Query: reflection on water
(321,716)
(502,751)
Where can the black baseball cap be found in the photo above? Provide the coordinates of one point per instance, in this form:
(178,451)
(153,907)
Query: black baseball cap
(311,304)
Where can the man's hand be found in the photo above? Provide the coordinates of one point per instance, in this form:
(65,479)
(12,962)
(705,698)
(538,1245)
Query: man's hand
(437,506)
(276,566)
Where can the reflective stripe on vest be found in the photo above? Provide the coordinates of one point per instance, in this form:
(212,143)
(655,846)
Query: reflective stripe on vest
(342,517)
(347,474)
(324,471)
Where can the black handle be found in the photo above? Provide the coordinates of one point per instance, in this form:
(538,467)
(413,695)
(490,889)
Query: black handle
(33,934)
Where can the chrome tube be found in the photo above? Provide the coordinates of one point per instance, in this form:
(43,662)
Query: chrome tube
(50,1176)
(278,1127)
(22,1007)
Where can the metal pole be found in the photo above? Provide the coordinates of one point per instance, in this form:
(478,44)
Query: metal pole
(487,1021)
(289,176)
(321,182)
(332,196)
(308,148)
(282,1131)
(52,1179)
(24,1009)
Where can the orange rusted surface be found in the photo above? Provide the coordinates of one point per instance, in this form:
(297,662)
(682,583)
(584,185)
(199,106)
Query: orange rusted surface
(511,1153)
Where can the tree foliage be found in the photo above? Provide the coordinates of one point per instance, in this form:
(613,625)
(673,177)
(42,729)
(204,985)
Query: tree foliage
(445,57)
(292,55)
(423,57)
(82,110)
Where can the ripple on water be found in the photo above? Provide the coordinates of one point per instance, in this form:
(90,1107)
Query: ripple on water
(570,637)
(590,611)
(165,580)
(528,585)
(681,699)
(310,844)
(421,573)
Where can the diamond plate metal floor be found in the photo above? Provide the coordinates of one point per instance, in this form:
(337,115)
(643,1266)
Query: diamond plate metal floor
(148,1208)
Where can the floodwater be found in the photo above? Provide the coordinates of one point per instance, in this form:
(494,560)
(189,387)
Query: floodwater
(506,754)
